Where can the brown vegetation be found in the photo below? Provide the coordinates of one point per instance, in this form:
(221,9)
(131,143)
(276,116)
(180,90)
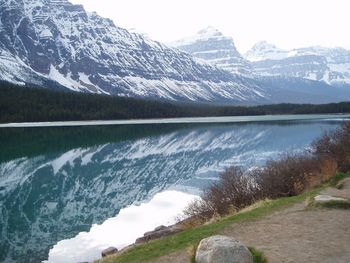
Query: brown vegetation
(290,175)
(335,146)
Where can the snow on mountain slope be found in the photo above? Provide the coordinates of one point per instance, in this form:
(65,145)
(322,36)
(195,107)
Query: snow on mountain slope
(279,68)
(85,52)
(308,66)
(53,43)
(264,50)
(212,46)
(12,69)
(330,65)
(337,59)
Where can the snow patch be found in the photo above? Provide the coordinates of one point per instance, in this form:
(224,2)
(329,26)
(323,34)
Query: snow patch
(202,35)
(60,78)
(46,34)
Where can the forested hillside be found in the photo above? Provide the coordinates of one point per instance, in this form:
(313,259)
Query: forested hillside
(18,104)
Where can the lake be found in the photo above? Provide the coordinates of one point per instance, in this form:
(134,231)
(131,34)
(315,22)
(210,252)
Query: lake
(69,192)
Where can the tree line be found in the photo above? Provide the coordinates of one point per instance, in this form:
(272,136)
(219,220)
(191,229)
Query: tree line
(28,104)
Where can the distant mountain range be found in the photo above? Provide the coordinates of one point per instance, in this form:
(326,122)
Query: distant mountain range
(53,43)
(329,65)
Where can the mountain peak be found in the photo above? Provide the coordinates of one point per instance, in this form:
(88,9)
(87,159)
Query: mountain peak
(56,41)
(209,31)
(204,34)
(264,50)
(263,44)
(211,45)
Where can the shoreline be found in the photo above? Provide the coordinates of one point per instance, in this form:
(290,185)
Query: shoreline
(244,225)
(181,120)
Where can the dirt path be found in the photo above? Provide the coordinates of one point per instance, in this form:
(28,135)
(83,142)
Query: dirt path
(295,234)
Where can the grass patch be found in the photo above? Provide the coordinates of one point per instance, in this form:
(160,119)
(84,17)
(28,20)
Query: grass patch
(335,204)
(334,181)
(193,250)
(258,256)
(191,237)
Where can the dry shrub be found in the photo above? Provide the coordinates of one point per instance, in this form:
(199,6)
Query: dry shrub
(288,176)
(335,146)
(199,210)
(237,189)
(234,191)
(328,168)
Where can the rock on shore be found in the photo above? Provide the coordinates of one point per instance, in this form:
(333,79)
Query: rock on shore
(222,249)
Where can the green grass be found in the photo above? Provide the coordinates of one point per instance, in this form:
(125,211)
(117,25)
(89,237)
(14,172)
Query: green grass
(335,204)
(333,182)
(191,237)
(193,256)
(336,179)
(258,256)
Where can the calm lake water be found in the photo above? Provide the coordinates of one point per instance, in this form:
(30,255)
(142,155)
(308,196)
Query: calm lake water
(66,193)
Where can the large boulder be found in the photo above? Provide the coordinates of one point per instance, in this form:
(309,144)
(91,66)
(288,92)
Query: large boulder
(222,249)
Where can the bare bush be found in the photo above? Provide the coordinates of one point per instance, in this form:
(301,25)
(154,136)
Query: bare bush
(335,146)
(234,191)
(199,210)
(237,189)
(288,176)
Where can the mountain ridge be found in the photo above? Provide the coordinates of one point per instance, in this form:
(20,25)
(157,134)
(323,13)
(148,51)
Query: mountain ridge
(214,47)
(88,53)
(84,52)
(328,65)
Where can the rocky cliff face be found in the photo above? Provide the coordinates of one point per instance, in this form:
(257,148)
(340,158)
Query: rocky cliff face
(263,51)
(329,65)
(283,75)
(54,43)
(56,40)
(212,46)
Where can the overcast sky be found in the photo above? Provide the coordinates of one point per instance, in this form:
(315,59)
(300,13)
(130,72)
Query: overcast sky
(285,23)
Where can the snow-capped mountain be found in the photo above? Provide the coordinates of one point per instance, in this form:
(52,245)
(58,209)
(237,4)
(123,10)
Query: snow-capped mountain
(330,65)
(56,40)
(264,50)
(212,46)
(53,43)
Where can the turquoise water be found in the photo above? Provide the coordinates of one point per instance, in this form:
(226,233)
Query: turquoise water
(56,182)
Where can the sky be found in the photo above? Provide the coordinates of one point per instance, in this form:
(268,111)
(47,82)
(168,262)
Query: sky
(286,23)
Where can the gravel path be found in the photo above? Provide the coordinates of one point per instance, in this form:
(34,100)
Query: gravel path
(295,234)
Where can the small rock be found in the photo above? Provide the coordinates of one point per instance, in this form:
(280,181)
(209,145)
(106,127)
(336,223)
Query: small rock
(109,251)
(327,198)
(344,184)
(160,228)
(158,232)
(157,229)
(222,249)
